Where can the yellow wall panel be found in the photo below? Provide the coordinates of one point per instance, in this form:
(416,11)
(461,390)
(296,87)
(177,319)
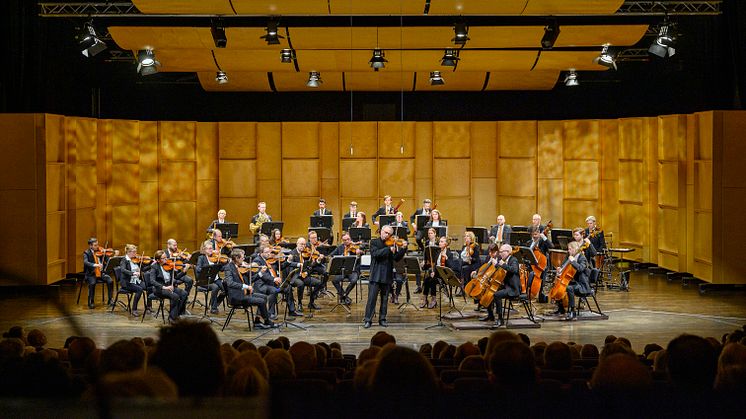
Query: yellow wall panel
(125,141)
(177,140)
(632,225)
(238,178)
(581,140)
(517,210)
(631,181)
(451,177)
(424,142)
(362,137)
(574,213)
(330,192)
(703,138)
(668,183)
(56,235)
(451,139)
(517,138)
(83,133)
(581,179)
(424,189)
(456,211)
(270,192)
(237,140)
(484,201)
(85,185)
(630,138)
(703,237)
(517,177)
(296,213)
(178,222)
(126,225)
(608,216)
(703,185)
(149,216)
(328,142)
(549,199)
(301,179)
(240,210)
(148,151)
(54,128)
(207,151)
(358,178)
(609,159)
(484,150)
(300,140)
(84,228)
(55,187)
(396,140)
(177,182)
(550,145)
(672,137)
(125,183)
(207,203)
(668,231)
(19,160)
(268,151)
(395,177)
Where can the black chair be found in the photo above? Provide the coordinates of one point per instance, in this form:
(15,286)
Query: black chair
(151,296)
(247,308)
(81,281)
(583,297)
(451,375)
(121,290)
(522,298)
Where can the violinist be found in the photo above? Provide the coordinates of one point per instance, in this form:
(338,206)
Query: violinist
(216,286)
(318,264)
(500,233)
(443,258)
(353,211)
(430,240)
(220,220)
(347,248)
(94,263)
(386,209)
(301,259)
(383,256)
(276,238)
(240,292)
(173,253)
(435,220)
(595,235)
(580,284)
(425,210)
(219,243)
(586,247)
(470,257)
(163,279)
(267,280)
(257,220)
(132,273)
(511,283)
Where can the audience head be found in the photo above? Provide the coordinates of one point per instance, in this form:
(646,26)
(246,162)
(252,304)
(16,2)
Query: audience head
(609,339)
(368,354)
(512,363)
(16,332)
(621,377)
(321,355)
(246,346)
(153,383)
(660,362)
(381,338)
(280,364)
(122,356)
(589,351)
(482,344)
(247,382)
(615,348)
(304,356)
(426,350)
(650,348)
(464,350)
(438,348)
(248,359)
(403,375)
(473,363)
(79,351)
(10,349)
(36,338)
(525,339)
(284,341)
(448,352)
(557,356)
(498,337)
(692,362)
(228,353)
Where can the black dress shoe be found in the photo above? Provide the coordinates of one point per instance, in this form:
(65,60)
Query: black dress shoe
(384,323)
(486,319)
(91,306)
(273,317)
(295,314)
(270,325)
(300,308)
(261,326)
(314,306)
(213,311)
(136,313)
(571,316)
(348,300)
(367,325)
(499,323)
(418,290)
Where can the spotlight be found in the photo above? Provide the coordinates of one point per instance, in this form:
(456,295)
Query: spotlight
(88,41)
(146,62)
(551,32)
(221,77)
(571,80)
(271,37)
(605,59)
(286,55)
(218,34)
(314,79)
(436,79)
(664,44)
(450,58)
(462,33)
(377,61)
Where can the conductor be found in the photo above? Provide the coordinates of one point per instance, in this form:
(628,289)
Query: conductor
(383,255)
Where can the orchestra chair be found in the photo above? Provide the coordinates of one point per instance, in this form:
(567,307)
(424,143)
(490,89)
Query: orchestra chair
(150,297)
(583,297)
(521,298)
(99,281)
(120,290)
(246,307)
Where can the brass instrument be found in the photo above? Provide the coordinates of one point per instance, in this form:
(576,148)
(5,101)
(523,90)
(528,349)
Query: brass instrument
(261,219)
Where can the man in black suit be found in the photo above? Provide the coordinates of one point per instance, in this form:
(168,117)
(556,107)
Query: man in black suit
(165,287)
(425,210)
(580,284)
(267,281)
(386,209)
(381,274)
(511,284)
(216,286)
(241,293)
(91,262)
(500,233)
(345,249)
(325,212)
(353,211)
(172,251)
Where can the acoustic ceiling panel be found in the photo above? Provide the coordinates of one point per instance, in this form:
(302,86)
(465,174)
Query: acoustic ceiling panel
(460,80)
(477,7)
(504,36)
(156,37)
(480,60)
(564,60)
(209,7)
(237,82)
(580,7)
(531,80)
(294,82)
(251,60)
(185,60)
(579,36)
(377,7)
(281,7)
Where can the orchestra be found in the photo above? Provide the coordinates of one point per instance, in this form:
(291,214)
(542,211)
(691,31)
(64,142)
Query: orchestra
(276,270)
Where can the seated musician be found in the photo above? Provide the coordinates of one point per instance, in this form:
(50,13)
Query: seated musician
(386,209)
(538,239)
(361,221)
(323,210)
(276,238)
(493,254)
(594,233)
(470,257)
(216,286)
(267,281)
(353,211)
(346,249)
(172,252)
(300,260)
(243,294)
(220,220)
(164,283)
(435,220)
(500,233)
(586,247)
(579,284)
(257,220)
(399,221)
(425,210)
(443,258)
(511,284)
(220,244)
(430,240)
(132,272)
(93,268)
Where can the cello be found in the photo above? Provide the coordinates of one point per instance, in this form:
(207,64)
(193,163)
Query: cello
(481,281)
(565,275)
(496,281)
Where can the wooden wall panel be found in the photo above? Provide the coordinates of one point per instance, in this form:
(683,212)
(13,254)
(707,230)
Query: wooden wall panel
(632,183)
(358,140)
(395,178)
(301,179)
(237,140)
(608,216)
(359,179)
(126,229)
(178,180)
(396,140)
(581,179)
(517,177)
(178,140)
(484,150)
(300,140)
(550,149)
(150,218)
(517,138)
(452,178)
(574,213)
(55,187)
(483,201)
(581,140)
(177,220)
(296,213)
(550,202)
(238,179)
(451,140)
(517,210)
(268,153)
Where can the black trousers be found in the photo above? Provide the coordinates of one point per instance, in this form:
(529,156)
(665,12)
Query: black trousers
(339,279)
(254,299)
(137,289)
(498,303)
(270,291)
(216,293)
(92,287)
(431,285)
(188,282)
(311,282)
(178,299)
(374,289)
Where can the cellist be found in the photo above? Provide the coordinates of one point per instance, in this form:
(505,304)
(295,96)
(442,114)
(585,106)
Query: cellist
(511,283)
(579,284)
(493,251)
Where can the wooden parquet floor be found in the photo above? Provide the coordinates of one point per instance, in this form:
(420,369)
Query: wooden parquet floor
(654,310)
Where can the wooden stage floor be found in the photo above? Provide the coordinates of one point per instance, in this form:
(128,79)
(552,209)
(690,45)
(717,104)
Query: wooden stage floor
(654,310)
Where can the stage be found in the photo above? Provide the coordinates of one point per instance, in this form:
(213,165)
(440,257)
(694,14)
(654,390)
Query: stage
(653,311)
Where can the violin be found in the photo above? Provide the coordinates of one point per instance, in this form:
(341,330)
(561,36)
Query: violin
(245,268)
(172,264)
(181,254)
(472,246)
(142,260)
(218,258)
(391,241)
(228,244)
(309,253)
(101,252)
(351,249)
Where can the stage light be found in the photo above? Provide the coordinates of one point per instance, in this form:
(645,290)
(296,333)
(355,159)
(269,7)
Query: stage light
(450,58)
(436,79)
(571,80)
(286,55)
(551,32)
(605,58)
(664,44)
(377,61)
(272,37)
(314,79)
(218,34)
(221,77)
(146,62)
(461,32)
(88,41)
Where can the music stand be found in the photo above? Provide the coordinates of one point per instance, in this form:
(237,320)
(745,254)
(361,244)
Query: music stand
(228,229)
(411,266)
(324,233)
(442,231)
(358,234)
(518,229)
(112,263)
(481,233)
(248,249)
(560,238)
(321,221)
(440,276)
(421,220)
(207,276)
(449,278)
(269,226)
(284,285)
(346,223)
(384,220)
(401,232)
(518,238)
(341,265)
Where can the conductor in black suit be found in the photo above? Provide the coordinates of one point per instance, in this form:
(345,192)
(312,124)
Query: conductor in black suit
(381,274)
(511,284)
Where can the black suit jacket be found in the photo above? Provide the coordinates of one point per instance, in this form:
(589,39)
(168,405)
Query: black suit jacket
(506,232)
(581,273)
(215,221)
(157,279)
(598,241)
(382,211)
(429,224)
(544,245)
(202,263)
(340,251)
(89,260)
(476,260)
(327,212)
(413,217)
(382,261)
(127,273)
(233,282)
(512,281)
(451,261)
